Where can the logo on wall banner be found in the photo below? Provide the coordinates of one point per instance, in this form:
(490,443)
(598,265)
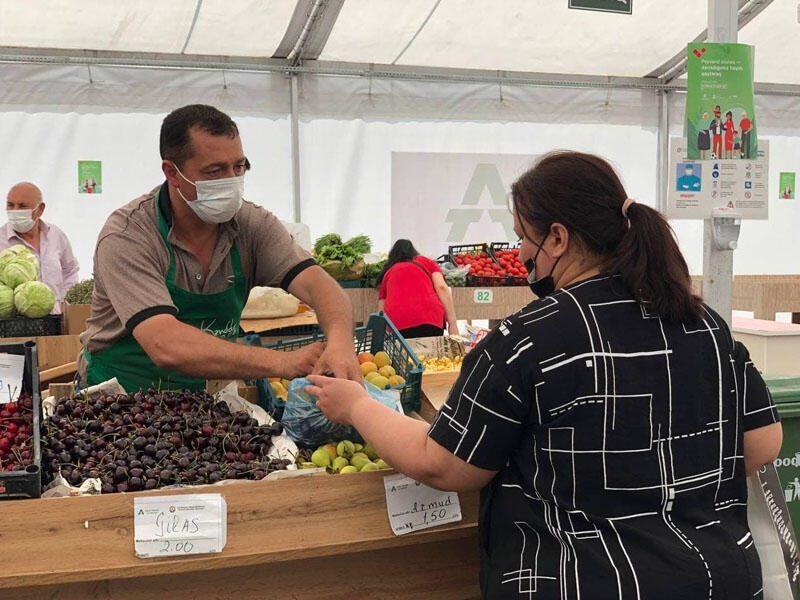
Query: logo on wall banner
(439,199)
(486,178)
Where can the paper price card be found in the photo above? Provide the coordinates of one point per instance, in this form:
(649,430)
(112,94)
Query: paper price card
(179,525)
(413,506)
(11,368)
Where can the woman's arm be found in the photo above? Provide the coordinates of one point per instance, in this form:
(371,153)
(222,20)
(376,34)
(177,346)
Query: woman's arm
(761,446)
(446,298)
(401,441)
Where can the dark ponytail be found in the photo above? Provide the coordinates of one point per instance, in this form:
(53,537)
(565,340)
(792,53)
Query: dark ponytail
(583,193)
(652,267)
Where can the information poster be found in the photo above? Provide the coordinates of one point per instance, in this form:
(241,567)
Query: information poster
(720,114)
(697,186)
(90,177)
(786,186)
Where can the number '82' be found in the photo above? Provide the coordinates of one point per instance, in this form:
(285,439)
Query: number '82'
(482,296)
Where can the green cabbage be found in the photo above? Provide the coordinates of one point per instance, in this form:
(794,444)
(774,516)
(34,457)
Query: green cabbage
(18,265)
(7,308)
(34,299)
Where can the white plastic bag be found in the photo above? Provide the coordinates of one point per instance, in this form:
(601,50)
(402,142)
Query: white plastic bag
(269,303)
(760,518)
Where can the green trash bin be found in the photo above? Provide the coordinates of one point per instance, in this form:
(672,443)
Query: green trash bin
(786,393)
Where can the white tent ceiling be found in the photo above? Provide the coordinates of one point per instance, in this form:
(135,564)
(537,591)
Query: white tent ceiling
(523,39)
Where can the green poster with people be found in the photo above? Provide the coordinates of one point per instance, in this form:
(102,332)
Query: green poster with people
(720,115)
(90,177)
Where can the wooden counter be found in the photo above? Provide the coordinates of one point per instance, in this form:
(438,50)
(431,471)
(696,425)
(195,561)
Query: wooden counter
(312,537)
(764,295)
(504,301)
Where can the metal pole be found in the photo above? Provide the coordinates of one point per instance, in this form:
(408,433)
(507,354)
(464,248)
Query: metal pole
(723,27)
(662,157)
(295,134)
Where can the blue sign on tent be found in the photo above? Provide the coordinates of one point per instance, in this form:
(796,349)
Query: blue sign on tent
(624,7)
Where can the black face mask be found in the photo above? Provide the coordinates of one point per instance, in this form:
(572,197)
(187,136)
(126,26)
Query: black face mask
(544,286)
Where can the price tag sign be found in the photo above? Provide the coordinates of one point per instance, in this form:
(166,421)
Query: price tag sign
(413,506)
(11,368)
(179,525)
(482,296)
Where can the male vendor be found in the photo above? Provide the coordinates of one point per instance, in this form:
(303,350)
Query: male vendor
(173,268)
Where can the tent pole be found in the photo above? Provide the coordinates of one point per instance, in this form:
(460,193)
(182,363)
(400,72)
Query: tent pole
(295,135)
(662,151)
(723,27)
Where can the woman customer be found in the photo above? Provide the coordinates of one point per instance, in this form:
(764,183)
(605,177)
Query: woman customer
(610,423)
(414,295)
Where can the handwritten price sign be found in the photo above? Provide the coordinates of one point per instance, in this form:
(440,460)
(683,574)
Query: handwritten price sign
(179,525)
(413,506)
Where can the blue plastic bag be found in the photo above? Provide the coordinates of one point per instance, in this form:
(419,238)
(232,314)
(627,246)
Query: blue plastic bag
(308,427)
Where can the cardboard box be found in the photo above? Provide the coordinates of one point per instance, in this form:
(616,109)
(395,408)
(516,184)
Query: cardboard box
(75,316)
(437,346)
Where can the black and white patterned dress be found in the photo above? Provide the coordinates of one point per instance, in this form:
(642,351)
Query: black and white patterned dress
(618,441)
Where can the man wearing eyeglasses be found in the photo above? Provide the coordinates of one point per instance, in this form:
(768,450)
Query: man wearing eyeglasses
(173,268)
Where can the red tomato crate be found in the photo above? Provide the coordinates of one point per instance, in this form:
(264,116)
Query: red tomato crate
(473,253)
(503,247)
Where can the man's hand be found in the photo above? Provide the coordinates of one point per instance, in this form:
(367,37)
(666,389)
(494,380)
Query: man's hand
(300,362)
(340,361)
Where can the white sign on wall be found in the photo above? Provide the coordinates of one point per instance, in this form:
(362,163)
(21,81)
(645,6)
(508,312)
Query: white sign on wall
(458,198)
(697,186)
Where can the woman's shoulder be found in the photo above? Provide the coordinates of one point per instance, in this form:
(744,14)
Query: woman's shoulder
(428,263)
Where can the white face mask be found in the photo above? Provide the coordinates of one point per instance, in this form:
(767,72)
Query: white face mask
(21,221)
(218,200)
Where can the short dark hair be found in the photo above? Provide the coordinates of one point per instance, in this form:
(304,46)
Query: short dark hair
(583,193)
(174,141)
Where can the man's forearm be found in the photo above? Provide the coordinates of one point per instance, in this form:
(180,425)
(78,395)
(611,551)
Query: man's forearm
(328,299)
(176,345)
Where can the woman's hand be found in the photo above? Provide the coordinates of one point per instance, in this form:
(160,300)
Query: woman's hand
(337,398)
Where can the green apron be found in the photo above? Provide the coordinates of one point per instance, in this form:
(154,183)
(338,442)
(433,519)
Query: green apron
(217,313)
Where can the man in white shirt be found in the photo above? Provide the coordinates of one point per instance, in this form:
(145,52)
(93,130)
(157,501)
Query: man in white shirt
(58,267)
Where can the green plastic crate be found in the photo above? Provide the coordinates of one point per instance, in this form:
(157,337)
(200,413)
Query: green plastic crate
(379,334)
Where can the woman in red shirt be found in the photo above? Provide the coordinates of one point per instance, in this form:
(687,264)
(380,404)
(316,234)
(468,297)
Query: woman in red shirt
(414,295)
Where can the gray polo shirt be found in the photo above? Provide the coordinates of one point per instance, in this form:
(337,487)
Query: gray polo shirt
(131,262)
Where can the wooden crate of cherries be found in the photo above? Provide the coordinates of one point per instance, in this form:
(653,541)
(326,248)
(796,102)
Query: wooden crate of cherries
(152,439)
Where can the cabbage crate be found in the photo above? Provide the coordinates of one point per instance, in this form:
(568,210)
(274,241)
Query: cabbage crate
(25,483)
(378,334)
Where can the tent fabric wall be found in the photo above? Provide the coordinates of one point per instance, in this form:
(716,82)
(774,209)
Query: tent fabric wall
(56,115)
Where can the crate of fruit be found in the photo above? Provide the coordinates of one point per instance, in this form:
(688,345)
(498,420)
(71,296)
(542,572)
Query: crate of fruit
(379,339)
(484,271)
(20,450)
(507,256)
